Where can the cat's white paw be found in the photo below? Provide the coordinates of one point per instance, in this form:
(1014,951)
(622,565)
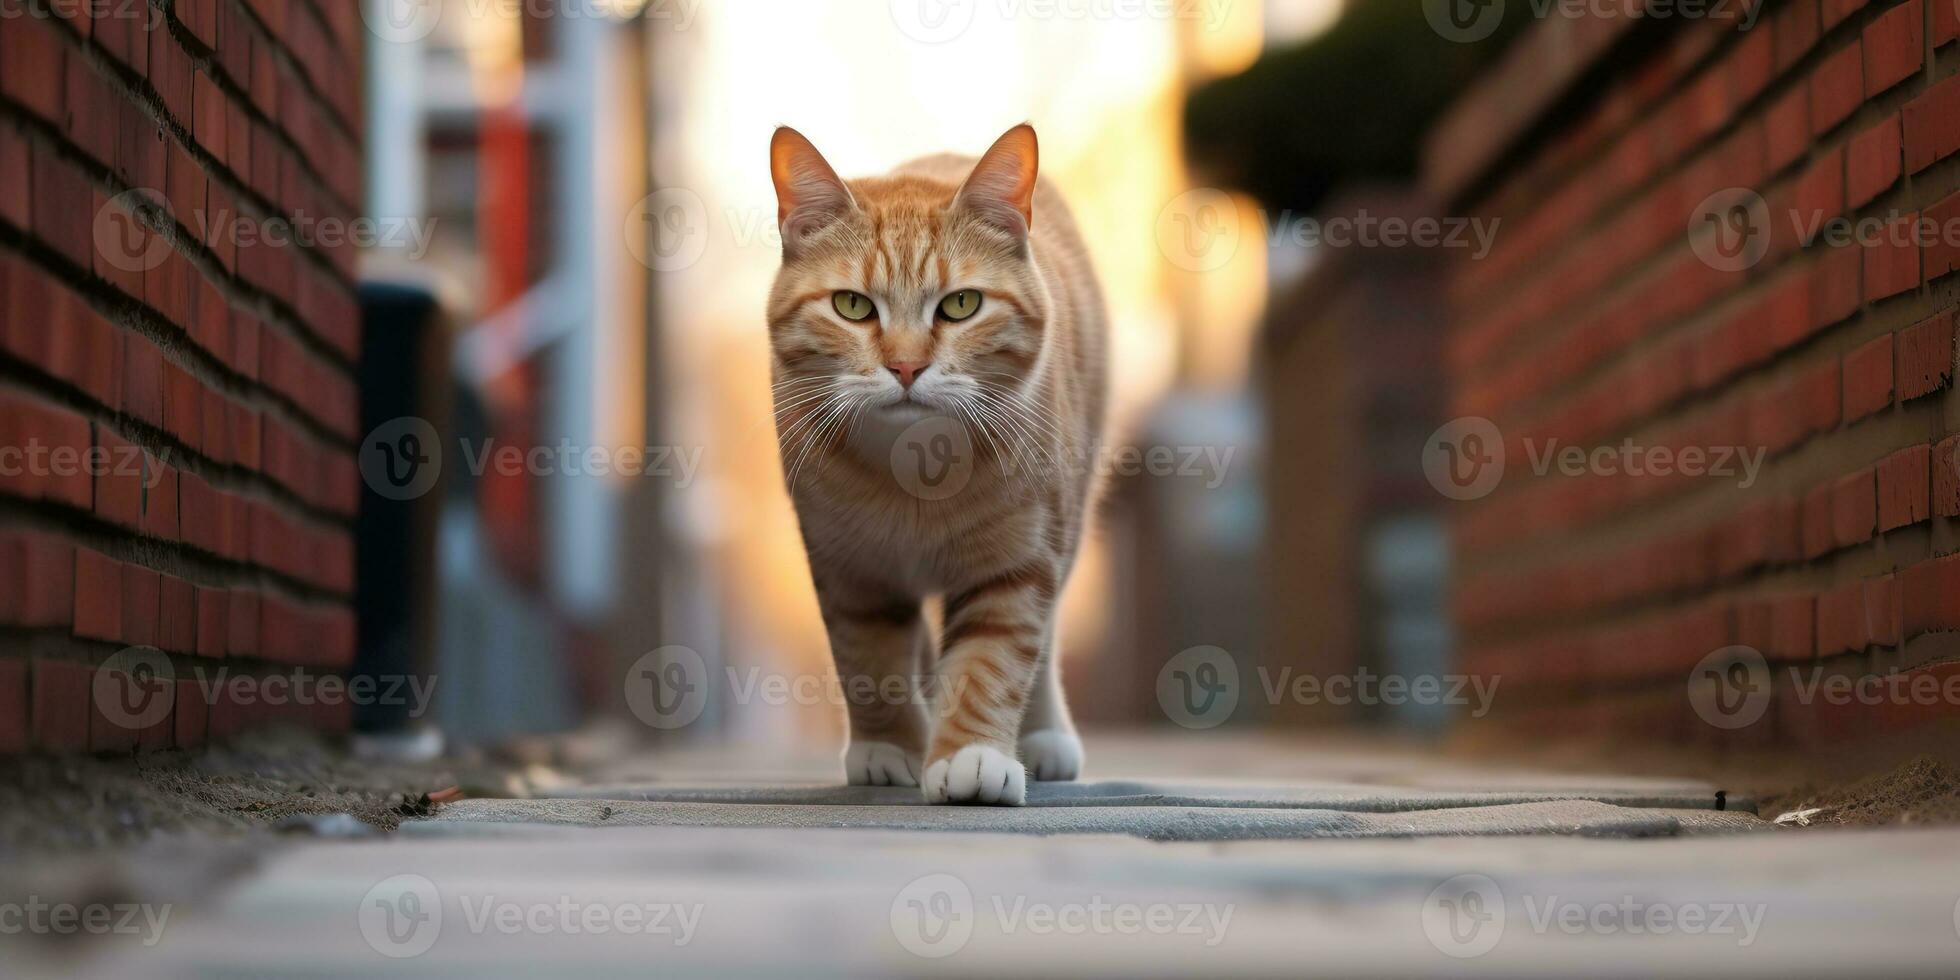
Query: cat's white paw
(879,764)
(1052,755)
(977,774)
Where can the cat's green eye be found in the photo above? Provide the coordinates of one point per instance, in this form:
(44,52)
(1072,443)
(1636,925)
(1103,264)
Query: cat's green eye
(960,305)
(852,306)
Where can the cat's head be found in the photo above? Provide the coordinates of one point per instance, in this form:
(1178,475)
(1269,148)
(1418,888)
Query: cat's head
(906,294)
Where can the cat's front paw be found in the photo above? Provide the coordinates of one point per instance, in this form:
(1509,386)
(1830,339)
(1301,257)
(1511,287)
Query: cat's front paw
(977,774)
(879,764)
(1052,755)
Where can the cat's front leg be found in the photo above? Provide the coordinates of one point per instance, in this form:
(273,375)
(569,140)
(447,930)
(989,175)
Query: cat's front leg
(876,645)
(993,640)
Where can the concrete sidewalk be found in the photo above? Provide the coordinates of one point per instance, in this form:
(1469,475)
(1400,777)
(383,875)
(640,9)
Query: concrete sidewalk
(1338,863)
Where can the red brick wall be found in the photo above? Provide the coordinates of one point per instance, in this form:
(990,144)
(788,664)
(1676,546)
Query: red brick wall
(1596,320)
(180,402)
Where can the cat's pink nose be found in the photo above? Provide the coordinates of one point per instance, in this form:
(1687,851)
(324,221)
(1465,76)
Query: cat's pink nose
(908,371)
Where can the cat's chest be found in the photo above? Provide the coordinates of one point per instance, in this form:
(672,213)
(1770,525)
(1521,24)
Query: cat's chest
(918,547)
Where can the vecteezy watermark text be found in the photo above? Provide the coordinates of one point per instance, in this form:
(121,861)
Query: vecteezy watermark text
(402,458)
(1201,687)
(1469,21)
(38,917)
(1465,459)
(403,916)
(1200,230)
(1468,915)
(934,917)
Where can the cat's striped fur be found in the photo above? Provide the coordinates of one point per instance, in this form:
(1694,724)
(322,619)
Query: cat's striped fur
(1020,387)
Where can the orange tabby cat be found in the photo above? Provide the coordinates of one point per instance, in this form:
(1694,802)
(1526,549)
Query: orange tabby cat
(938,364)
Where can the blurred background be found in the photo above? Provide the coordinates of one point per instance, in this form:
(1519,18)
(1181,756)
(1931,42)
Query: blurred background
(605,233)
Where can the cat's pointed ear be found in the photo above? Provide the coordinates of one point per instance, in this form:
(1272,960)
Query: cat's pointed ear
(1001,187)
(809,194)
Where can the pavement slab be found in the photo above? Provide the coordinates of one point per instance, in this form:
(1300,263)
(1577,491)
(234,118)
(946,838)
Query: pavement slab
(1158,823)
(1324,863)
(1314,795)
(858,902)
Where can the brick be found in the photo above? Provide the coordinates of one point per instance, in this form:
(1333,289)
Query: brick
(216,435)
(1868,378)
(1932,125)
(98,596)
(142,604)
(1941,254)
(118,480)
(213,621)
(184,185)
(43,565)
(159,499)
(1946,477)
(14,707)
(1752,65)
(1820,190)
(100,373)
(1835,12)
(61,697)
(1925,357)
(1892,259)
(1837,87)
(191,715)
(1837,283)
(61,193)
(211,116)
(1792,628)
(1905,488)
(1786,130)
(1929,595)
(183,405)
(1894,46)
(1882,610)
(1795,27)
(1818,536)
(15,194)
(86,124)
(1842,626)
(177,622)
(55,442)
(107,734)
(1872,163)
(1854,508)
(32,65)
(242,639)
(142,394)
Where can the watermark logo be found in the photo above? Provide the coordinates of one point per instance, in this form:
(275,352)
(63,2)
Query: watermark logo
(933,458)
(135,688)
(401,917)
(933,21)
(1730,229)
(401,458)
(401,21)
(933,916)
(1199,230)
(1464,916)
(1730,688)
(1463,21)
(667,688)
(1199,688)
(1464,459)
(667,230)
(128,230)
